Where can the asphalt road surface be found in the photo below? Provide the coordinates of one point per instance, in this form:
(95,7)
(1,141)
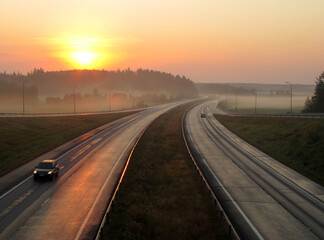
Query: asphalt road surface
(71,207)
(263,198)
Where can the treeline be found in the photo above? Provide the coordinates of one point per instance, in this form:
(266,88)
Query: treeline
(315,104)
(236,89)
(11,92)
(222,88)
(134,88)
(147,81)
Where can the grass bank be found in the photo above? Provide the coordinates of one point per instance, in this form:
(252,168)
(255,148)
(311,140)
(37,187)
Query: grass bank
(161,196)
(297,143)
(23,139)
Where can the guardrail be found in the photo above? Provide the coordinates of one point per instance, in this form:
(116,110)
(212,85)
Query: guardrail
(65,113)
(288,115)
(45,114)
(222,214)
(17,114)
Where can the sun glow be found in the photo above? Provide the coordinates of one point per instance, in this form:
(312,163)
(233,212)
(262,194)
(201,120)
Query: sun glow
(84,57)
(82,52)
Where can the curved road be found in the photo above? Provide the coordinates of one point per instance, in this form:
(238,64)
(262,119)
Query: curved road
(263,198)
(71,207)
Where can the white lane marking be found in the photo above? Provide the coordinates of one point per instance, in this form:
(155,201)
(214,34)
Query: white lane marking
(45,202)
(5,194)
(100,192)
(85,141)
(93,136)
(235,204)
(80,152)
(85,148)
(95,141)
(230,197)
(72,149)
(16,203)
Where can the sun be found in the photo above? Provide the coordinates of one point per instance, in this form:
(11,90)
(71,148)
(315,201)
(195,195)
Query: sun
(84,52)
(84,57)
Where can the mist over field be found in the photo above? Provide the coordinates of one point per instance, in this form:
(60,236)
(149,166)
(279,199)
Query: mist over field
(259,98)
(90,90)
(265,104)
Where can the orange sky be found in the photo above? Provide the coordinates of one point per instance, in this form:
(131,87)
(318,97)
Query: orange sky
(209,41)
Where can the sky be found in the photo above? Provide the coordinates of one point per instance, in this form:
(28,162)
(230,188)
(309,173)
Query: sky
(254,41)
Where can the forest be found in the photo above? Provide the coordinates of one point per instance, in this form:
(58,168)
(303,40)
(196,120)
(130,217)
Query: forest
(90,90)
(223,88)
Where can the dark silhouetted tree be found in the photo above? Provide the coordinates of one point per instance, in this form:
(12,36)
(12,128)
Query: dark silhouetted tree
(316,103)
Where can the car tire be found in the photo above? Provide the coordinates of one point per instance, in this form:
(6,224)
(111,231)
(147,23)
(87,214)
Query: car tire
(35,178)
(51,178)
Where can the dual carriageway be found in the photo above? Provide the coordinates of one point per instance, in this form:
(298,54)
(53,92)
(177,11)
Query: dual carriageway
(262,198)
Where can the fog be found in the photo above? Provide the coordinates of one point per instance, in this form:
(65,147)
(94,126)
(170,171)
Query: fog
(89,90)
(263,104)
(94,91)
(260,98)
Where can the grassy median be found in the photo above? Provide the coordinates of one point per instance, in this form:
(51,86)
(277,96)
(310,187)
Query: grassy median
(161,196)
(297,143)
(23,139)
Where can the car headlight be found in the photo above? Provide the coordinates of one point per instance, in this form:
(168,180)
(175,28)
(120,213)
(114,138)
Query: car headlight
(35,171)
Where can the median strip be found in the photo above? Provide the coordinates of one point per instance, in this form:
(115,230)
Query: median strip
(161,195)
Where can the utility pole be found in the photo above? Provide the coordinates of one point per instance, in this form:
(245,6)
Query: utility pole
(106,101)
(110,99)
(291,111)
(133,98)
(226,99)
(23,96)
(235,100)
(74,99)
(255,106)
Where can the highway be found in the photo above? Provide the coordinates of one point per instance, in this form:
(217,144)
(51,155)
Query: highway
(263,198)
(71,207)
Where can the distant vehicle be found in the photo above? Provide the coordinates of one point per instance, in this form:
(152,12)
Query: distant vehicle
(203,115)
(46,169)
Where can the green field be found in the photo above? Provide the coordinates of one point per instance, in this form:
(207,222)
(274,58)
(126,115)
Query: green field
(23,139)
(161,196)
(297,143)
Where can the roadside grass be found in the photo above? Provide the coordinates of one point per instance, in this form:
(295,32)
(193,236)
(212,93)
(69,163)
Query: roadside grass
(161,196)
(297,143)
(23,139)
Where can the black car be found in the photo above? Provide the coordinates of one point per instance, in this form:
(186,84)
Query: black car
(46,169)
(203,115)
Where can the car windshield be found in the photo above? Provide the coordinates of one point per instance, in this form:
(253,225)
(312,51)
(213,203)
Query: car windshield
(45,165)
